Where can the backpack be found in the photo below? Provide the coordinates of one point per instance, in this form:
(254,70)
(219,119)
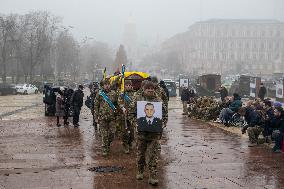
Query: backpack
(89,102)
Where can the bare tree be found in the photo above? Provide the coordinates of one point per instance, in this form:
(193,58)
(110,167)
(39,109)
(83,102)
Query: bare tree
(37,40)
(67,56)
(94,56)
(7,30)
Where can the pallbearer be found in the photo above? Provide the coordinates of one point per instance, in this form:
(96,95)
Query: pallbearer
(151,114)
(105,109)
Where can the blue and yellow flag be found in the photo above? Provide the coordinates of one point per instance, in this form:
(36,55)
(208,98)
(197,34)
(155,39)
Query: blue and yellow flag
(104,74)
(122,78)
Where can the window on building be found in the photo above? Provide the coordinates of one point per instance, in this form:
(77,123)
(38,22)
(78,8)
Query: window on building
(262,45)
(261,56)
(247,56)
(262,33)
(233,32)
(276,55)
(217,56)
(247,33)
(239,45)
(232,56)
(218,33)
(232,45)
(247,45)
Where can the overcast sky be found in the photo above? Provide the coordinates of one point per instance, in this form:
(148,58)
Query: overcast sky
(105,19)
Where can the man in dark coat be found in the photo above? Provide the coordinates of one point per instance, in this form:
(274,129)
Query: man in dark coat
(223,92)
(277,124)
(77,103)
(185,98)
(261,92)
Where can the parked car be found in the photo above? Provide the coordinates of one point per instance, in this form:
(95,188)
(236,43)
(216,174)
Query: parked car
(6,89)
(26,89)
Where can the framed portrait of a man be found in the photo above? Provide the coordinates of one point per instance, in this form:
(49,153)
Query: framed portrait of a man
(149,116)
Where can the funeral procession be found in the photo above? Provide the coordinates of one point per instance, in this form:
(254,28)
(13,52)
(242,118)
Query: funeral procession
(142,94)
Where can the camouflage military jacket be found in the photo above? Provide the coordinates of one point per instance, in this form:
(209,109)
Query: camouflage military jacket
(102,108)
(162,94)
(124,103)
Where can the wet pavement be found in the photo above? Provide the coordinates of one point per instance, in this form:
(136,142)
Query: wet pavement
(37,154)
(21,106)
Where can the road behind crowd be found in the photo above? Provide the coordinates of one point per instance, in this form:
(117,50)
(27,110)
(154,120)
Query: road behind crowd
(37,154)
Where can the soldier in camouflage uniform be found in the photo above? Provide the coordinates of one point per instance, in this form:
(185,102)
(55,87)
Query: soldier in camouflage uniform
(160,91)
(140,91)
(148,142)
(127,122)
(106,114)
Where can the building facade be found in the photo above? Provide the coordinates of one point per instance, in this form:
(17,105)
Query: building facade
(231,47)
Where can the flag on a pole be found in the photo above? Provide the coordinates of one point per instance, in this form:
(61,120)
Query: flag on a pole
(122,78)
(104,74)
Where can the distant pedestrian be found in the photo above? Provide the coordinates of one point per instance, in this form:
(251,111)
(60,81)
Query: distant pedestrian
(192,94)
(185,98)
(77,103)
(163,86)
(223,92)
(262,91)
(59,106)
(67,103)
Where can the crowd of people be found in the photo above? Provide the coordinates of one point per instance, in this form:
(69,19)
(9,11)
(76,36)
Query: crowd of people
(255,117)
(114,113)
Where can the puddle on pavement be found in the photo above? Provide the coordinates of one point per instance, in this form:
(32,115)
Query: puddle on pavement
(106,169)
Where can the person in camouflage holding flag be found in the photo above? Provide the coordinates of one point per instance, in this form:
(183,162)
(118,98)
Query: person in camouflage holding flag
(105,107)
(127,127)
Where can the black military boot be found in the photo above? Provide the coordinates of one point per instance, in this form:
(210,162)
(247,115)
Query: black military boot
(153,179)
(140,173)
(105,152)
(126,148)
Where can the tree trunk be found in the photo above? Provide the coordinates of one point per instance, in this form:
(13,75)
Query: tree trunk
(18,72)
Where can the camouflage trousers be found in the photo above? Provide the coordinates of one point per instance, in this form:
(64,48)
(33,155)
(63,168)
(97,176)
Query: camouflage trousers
(107,131)
(147,146)
(253,133)
(126,132)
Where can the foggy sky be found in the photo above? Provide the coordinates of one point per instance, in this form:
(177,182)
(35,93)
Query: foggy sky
(105,19)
